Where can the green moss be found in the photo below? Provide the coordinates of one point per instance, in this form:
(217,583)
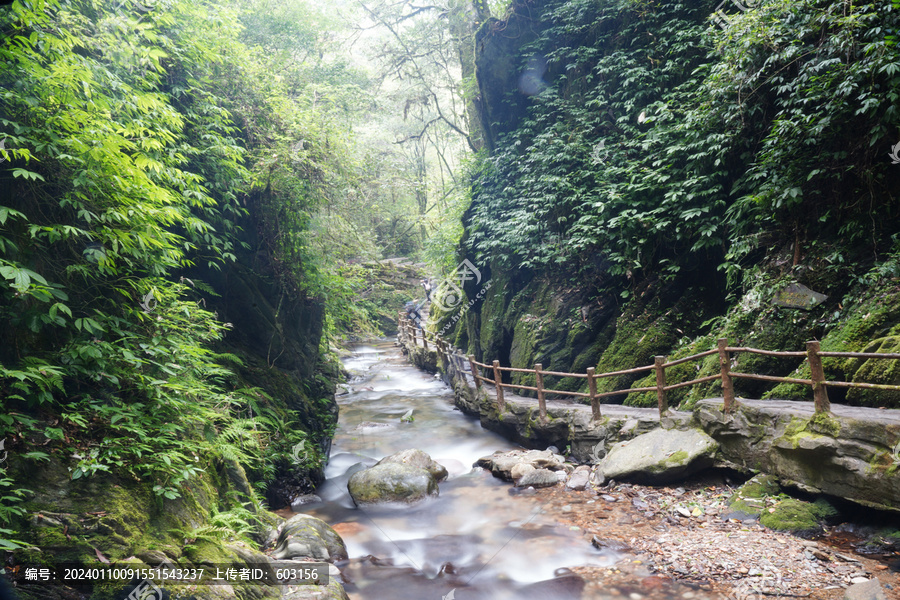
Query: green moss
(880,371)
(677,458)
(751,497)
(760,486)
(794,516)
(825,424)
(826,509)
(868,322)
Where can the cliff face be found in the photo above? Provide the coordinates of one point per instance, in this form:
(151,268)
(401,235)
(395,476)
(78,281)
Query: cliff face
(276,331)
(639,200)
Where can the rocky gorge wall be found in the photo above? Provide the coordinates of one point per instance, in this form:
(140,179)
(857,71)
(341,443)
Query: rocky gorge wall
(550,100)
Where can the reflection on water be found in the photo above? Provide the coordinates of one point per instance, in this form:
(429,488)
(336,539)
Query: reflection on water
(472,538)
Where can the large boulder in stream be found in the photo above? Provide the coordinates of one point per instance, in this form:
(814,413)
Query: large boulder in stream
(659,456)
(407,476)
(417,458)
(304,536)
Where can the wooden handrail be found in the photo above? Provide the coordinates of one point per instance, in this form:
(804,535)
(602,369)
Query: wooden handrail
(690,358)
(813,356)
(766,352)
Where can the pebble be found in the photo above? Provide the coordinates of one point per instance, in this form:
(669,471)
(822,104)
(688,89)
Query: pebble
(609,498)
(567,508)
(859,579)
(683,511)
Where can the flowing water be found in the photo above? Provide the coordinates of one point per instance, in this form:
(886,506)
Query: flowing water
(472,542)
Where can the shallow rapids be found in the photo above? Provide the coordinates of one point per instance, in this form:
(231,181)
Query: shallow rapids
(472,542)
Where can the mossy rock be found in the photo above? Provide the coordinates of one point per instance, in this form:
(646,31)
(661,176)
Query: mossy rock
(305,536)
(391,482)
(871,315)
(880,371)
(797,516)
(750,498)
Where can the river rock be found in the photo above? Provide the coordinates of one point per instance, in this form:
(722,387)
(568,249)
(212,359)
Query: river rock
(506,465)
(391,482)
(538,478)
(519,470)
(417,458)
(660,456)
(579,479)
(304,499)
(867,590)
(303,536)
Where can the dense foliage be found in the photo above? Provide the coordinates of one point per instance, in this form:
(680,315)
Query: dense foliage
(657,140)
(143,142)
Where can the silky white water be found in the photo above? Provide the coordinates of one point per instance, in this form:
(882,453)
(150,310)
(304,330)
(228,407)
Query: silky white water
(474,539)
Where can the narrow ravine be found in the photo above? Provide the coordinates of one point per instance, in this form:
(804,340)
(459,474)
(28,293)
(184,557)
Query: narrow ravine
(474,540)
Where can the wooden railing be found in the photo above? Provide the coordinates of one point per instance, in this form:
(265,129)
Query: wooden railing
(813,355)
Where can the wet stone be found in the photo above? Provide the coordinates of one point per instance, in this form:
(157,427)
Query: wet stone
(539,478)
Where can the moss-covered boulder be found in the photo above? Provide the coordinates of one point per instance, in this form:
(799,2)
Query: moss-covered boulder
(749,500)
(419,459)
(875,370)
(391,482)
(304,536)
(659,456)
(797,516)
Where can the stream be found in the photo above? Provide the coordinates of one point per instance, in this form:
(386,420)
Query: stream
(472,542)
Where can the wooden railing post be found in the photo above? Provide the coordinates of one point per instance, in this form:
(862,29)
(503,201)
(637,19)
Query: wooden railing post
(817,375)
(498,383)
(539,383)
(474,368)
(424,339)
(725,370)
(592,390)
(661,397)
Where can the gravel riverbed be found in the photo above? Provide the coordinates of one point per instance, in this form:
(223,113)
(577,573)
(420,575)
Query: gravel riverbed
(678,542)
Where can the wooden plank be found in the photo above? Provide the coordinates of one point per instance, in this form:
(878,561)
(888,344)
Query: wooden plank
(690,358)
(627,371)
(675,386)
(628,391)
(568,393)
(559,374)
(766,352)
(516,386)
(498,384)
(592,394)
(662,398)
(865,355)
(725,374)
(869,386)
(516,370)
(735,374)
(817,374)
(539,384)
(475,374)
